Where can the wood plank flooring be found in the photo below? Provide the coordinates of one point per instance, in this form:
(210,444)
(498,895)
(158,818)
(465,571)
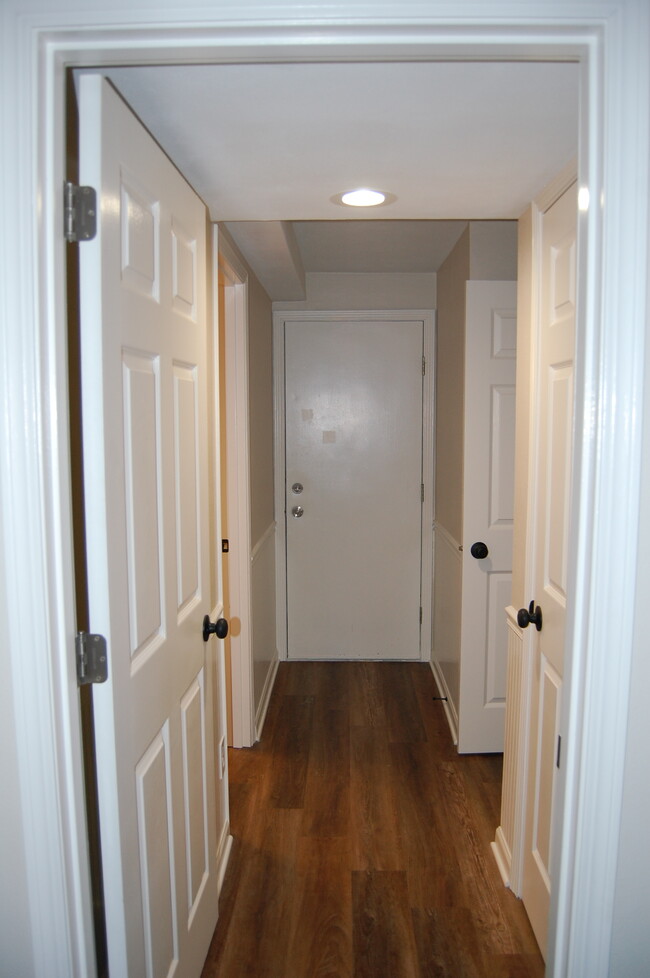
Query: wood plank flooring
(362,839)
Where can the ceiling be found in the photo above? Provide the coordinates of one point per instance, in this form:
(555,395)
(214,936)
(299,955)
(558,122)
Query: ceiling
(267,147)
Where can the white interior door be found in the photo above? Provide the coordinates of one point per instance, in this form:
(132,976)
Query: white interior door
(552,479)
(488,503)
(353,409)
(143,315)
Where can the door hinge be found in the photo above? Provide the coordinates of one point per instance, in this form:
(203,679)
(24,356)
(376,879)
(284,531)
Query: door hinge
(92,660)
(420,615)
(424,366)
(79,212)
(422,492)
(559,751)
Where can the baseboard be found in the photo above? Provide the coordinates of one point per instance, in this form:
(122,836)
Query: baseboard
(263,706)
(447,703)
(223,854)
(502,856)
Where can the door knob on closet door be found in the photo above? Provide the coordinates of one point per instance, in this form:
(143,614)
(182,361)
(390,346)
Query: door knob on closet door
(532,616)
(479,550)
(218,628)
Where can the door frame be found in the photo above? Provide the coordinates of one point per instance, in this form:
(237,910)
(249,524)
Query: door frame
(237,487)
(427,317)
(44,756)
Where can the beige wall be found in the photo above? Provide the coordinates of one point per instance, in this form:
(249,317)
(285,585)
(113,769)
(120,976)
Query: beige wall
(450,387)
(260,401)
(262,513)
(493,251)
(487,250)
(366,290)
(522,432)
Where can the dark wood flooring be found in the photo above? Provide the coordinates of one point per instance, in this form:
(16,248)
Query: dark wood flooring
(362,839)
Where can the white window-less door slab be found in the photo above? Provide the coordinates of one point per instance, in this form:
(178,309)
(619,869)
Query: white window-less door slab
(552,479)
(353,408)
(143,315)
(489,471)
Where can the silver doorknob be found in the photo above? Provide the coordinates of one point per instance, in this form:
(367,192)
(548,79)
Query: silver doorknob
(297,512)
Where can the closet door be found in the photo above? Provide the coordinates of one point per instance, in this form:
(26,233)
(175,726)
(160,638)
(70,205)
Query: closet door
(145,372)
(488,505)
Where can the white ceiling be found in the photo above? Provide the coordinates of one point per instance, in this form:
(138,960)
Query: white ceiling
(274,143)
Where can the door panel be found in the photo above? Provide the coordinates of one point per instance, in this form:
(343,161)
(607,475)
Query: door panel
(490,367)
(354,443)
(144,364)
(551,475)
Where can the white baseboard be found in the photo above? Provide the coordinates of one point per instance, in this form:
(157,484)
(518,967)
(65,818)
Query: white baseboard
(447,702)
(223,854)
(502,856)
(265,698)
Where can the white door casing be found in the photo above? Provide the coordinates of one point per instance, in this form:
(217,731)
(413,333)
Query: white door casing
(551,475)
(144,369)
(353,417)
(490,367)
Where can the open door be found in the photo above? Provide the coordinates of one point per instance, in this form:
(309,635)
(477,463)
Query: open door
(144,390)
(488,511)
(551,472)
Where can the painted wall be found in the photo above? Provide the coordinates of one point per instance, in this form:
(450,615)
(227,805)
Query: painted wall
(366,290)
(487,250)
(493,250)
(448,533)
(262,516)
(260,398)
(522,433)
(450,387)
(260,406)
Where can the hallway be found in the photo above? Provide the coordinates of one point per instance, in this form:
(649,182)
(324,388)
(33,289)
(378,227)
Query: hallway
(361,839)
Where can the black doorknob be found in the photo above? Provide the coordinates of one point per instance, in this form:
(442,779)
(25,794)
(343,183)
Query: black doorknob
(479,550)
(219,628)
(532,616)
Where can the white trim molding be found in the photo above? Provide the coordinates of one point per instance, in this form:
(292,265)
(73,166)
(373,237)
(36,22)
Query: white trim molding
(264,648)
(448,552)
(447,700)
(611,40)
(265,698)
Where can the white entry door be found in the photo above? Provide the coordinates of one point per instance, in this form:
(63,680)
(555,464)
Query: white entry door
(353,408)
(144,367)
(488,504)
(552,479)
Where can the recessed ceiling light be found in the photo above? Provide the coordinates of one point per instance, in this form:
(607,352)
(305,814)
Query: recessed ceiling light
(363,198)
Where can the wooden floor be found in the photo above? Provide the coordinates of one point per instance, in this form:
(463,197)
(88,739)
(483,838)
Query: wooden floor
(362,839)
